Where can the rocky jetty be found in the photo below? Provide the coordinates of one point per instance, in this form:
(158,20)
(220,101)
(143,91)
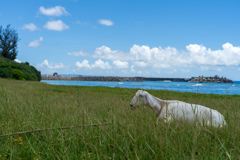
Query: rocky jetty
(200,79)
(91,78)
(216,79)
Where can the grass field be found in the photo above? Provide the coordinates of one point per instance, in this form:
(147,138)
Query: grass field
(131,134)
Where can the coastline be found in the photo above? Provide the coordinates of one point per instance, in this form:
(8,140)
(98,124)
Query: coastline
(200,79)
(111,78)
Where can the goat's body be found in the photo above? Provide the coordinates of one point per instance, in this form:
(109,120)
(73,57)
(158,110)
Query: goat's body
(191,112)
(178,110)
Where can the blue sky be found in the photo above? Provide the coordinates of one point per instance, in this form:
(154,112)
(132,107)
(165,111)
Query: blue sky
(154,38)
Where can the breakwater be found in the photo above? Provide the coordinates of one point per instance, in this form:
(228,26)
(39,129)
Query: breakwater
(215,79)
(110,78)
(200,79)
(91,78)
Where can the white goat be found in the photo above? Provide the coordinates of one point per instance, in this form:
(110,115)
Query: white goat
(173,109)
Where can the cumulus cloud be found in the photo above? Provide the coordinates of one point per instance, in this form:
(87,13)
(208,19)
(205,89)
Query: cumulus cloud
(79,53)
(120,64)
(56,25)
(84,64)
(171,58)
(35,43)
(141,53)
(101,65)
(30,27)
(200,55)
(98,64)
(105,52)
(46,64)
(168,60)
(195,55)
(53,11)
(17,60)
(154,57)
(106,22)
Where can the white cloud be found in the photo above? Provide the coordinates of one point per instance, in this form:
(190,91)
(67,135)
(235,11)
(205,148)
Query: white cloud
(195,55)
(53,11)
(30,27)
(84,64)
(56,25)
(105,52)
(101,65)
(106,22)
(140,64)
(141,53)
(48,65)
(17,60)
(171,58)
(168,60)
(200,55)
(143,56)
(120,64)
(80,53)
(36,43)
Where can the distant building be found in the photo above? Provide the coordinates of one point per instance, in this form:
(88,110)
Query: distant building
(55,74)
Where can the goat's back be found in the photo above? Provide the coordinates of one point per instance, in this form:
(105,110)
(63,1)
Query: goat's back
(192,112)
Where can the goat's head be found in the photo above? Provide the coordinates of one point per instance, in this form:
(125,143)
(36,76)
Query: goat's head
(139,99)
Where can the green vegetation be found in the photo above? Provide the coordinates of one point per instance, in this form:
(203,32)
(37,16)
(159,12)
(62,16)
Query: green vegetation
(132,134)
(8,52)
(8,42)
(21,71)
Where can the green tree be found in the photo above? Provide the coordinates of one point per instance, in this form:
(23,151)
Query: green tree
(8,42)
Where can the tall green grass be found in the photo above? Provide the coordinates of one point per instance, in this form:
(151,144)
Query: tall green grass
(132,134)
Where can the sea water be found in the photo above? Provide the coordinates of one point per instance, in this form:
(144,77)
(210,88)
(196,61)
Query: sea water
(209,88)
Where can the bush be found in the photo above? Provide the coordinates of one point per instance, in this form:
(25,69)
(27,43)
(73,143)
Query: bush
(31,77)
(17,74)
(5,73)
(23,71)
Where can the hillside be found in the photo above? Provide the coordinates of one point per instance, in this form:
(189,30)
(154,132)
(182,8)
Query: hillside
(21,71)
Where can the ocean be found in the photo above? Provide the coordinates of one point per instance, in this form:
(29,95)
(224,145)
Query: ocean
(208,88)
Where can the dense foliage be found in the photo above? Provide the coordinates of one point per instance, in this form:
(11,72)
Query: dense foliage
(8,42)
(14,70)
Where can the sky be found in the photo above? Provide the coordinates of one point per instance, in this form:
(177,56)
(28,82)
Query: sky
(146,38)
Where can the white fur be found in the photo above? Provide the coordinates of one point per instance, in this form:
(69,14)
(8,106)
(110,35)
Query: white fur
(173,109)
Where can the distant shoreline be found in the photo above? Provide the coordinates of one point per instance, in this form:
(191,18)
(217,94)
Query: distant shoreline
(199,79)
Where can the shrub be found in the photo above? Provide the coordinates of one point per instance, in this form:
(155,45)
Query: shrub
(5,73)
(17,74)
(31,77)
(13,70)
